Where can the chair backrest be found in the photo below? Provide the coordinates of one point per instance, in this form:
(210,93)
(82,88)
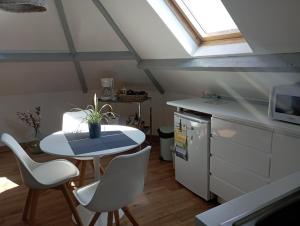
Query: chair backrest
(74,121)
(122,182)
(26,164)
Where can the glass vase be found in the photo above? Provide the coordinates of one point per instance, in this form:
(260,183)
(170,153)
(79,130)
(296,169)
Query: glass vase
(34,146)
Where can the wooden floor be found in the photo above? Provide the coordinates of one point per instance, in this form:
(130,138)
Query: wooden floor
(164,202)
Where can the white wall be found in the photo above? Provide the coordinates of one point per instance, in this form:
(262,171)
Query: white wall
(54,104)
(144,29)
(268,26)
(37,77)
(20,91)
(125,73)
(251,85)
(89,29)
(168,119)
(32,32)
(55,87)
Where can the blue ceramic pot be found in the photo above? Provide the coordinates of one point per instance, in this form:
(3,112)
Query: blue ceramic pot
(95,130)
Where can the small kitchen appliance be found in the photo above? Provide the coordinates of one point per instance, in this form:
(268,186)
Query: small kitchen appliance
(284,103)
(107,88)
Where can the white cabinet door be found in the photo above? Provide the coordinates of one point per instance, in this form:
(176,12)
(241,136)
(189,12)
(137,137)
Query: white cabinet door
(240,178)
(285,156)
(193,172)
(241,158)
(248,136)
(224,189)
(241,155)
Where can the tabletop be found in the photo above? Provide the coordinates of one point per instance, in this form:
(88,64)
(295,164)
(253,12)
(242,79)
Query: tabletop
(57,143)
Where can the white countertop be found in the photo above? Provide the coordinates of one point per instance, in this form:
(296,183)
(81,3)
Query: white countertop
(251,113)
(248,202)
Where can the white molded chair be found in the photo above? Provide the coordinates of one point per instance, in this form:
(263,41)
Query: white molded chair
(40,176)
(74,122)
(122,182)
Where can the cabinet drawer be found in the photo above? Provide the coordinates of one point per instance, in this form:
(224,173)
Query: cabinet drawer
(259,139)
(223,189)
(245,157)
(285,156)
(238,177)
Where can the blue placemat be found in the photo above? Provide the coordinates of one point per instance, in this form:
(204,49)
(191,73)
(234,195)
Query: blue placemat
(81,143)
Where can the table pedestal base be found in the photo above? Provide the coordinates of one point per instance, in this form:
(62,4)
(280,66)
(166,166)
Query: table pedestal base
(86,216)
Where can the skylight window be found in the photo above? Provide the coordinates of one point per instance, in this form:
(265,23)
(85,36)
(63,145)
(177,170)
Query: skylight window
(206,19)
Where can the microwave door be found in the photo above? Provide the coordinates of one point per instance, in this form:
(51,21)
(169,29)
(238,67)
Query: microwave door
(288,105)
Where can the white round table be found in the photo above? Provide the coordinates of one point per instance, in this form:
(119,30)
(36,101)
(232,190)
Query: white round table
(57,144)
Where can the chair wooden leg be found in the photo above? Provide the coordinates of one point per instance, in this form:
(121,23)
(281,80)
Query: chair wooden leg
(68,198)
(129,216)
(71,186)
(102,171)
(117,217)
(33,206)
(91,162)
(82,174)
(77,163)
(27,205)
(110,219)
(94,219)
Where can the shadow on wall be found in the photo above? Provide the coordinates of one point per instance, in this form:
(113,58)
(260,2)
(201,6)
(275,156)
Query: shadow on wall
(16,127)
(52,107)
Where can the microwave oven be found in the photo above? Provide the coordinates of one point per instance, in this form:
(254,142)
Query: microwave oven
(284,103)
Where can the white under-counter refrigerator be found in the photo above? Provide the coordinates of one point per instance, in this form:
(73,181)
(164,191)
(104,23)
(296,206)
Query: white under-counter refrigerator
(192,136)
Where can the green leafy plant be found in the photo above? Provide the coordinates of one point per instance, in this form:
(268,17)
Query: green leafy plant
(97,114)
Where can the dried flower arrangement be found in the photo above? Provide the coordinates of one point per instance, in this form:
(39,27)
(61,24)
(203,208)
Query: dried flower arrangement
(32,118)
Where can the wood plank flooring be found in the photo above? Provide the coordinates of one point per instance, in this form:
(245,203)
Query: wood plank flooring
(164,202)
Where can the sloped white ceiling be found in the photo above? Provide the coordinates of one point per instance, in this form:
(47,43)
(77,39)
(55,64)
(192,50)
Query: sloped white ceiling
(144,29)
(254,85)
(269,26)
(29,77)
(124,72)
(32,32)
(89,29)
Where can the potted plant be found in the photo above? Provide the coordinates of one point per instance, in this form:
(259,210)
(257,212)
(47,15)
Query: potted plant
(95,115)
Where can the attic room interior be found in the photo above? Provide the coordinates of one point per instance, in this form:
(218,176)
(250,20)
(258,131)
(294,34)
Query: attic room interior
(149,112)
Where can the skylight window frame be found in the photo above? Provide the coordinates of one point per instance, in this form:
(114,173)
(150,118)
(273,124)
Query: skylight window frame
(224,36)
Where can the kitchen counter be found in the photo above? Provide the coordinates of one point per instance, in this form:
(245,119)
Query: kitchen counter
(249,202)
(251,113)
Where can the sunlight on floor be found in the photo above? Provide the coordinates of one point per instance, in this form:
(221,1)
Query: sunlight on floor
(6,184)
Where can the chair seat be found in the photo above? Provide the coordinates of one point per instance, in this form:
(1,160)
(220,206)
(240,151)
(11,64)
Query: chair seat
(55,172)
(86,193)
